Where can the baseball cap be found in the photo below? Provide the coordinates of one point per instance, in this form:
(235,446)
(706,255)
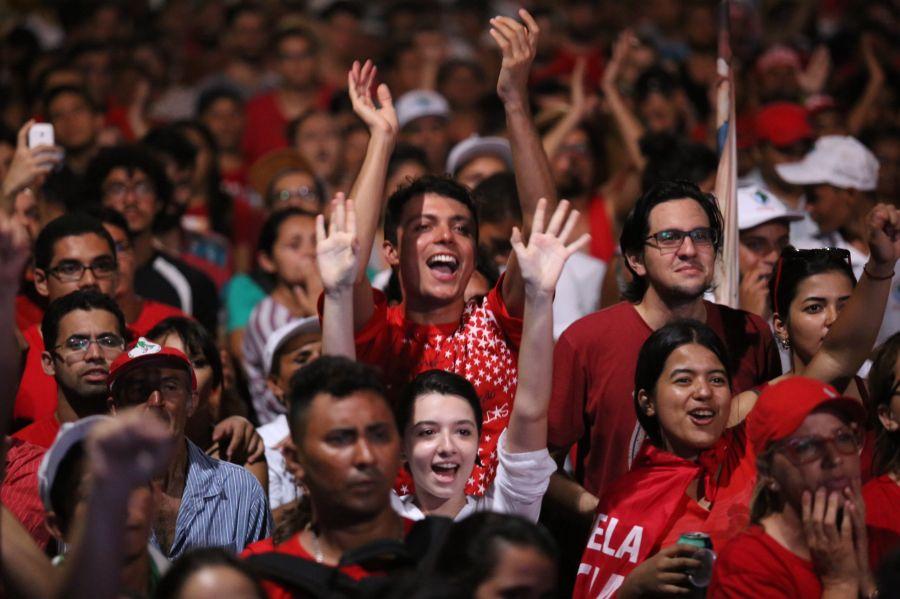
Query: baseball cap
(757,206)
(283,334)
(475,146)
(778,55)
(144,353)
(70,434)
(782,124)
(783,406)
(418,103)
(838,160)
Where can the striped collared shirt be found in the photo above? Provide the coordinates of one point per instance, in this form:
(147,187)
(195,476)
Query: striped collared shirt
(223,505)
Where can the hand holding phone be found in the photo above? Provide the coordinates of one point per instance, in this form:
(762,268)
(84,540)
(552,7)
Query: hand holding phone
(40,134)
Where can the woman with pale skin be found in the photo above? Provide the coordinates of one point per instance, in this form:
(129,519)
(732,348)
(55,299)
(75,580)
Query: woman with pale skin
(440,415)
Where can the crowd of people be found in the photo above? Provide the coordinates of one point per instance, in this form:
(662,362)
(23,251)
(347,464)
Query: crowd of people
(418,299)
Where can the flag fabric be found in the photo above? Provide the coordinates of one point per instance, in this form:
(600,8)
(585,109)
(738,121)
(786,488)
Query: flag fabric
(727,274)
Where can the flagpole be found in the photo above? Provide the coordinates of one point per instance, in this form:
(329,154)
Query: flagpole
(727,275)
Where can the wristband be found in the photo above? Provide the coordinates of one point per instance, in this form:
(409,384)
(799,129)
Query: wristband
(875,278)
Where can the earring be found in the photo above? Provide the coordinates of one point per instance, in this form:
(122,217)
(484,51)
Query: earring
(784,342)
(773,486)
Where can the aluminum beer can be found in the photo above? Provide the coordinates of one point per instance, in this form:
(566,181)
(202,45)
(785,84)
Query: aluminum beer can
(700,577)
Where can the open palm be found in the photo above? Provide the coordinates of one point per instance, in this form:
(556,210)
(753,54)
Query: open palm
(337,251)
(359,84)
(542,260)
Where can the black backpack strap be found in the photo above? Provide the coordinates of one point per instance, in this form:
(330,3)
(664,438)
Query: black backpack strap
(311,578)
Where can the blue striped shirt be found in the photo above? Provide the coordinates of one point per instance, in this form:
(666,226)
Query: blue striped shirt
(223,505)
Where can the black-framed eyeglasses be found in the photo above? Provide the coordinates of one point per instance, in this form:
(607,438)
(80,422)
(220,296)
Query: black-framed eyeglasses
(805,450)
(670,240)
(80,343)
(70,271)
(141,189)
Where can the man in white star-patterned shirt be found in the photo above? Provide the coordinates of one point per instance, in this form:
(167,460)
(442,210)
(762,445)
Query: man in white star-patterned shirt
(431,236)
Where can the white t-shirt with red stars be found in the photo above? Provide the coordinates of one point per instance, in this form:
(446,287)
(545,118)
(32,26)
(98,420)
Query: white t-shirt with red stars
(482,347)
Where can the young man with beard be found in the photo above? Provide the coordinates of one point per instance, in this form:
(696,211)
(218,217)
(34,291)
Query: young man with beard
(430,237)
(131,181)
(670,242)
(83,332)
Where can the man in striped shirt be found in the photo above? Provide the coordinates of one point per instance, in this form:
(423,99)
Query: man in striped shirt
(204,502)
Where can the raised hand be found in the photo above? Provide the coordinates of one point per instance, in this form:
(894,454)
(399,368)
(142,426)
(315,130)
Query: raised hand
(518,44)
(813,79)
(29,165)
(621,48)
(337,252)
(831,545)
(541,262)
(380,120)
(15,249)
(129,450)
(884,238)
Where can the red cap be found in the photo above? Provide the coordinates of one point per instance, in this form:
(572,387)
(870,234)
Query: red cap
(782,124)
(145,352)
(782,408)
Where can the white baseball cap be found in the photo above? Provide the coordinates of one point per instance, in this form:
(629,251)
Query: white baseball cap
(283,334)
(475,146)
(757,206)
(70,434)
(837,160)
(418,103)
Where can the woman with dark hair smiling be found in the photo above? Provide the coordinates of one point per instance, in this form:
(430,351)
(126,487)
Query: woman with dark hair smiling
(692,473)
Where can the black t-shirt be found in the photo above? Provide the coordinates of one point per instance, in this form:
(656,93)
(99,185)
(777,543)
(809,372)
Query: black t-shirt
(173,282)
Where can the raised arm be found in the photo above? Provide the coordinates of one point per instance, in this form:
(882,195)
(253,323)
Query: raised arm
(580,105)
(14,252)
(859,114)
(337,254)
(541,263)
(850,340)
(534,179)
(368,189)
(630,128)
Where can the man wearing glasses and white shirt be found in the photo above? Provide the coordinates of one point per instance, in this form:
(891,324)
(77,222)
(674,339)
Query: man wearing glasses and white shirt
(840,176)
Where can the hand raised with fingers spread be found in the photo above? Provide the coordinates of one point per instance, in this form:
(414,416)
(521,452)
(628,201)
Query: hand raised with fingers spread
(541,262)
(338,250)
(380,120)
(518,44)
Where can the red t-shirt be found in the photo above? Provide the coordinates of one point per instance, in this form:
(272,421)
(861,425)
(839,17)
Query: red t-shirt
(41,433)
(266,127)
(482,347)
(882,497)
(293,547)
(36,397)
(755,565)
(19,491)
(593,382)
(603,242)
(27,312)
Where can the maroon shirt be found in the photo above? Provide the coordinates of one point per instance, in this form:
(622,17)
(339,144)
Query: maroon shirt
(593,382)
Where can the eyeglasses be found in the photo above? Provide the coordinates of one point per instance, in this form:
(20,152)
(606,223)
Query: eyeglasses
(77,346)
(301,193)
(670,240)
(805,450)
(141,189)
(70,271)
(135,391)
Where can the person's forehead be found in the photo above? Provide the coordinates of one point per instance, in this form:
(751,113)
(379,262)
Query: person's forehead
(682,213)
(80,247)
(442,407)
(66,100)
(121,173)
(432,204)
(155,372)
(300,342)
(823,421)
(294,178)
(691,355)
(86,322)
(770,229)
(299,224)
(825,284)
(358,410)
